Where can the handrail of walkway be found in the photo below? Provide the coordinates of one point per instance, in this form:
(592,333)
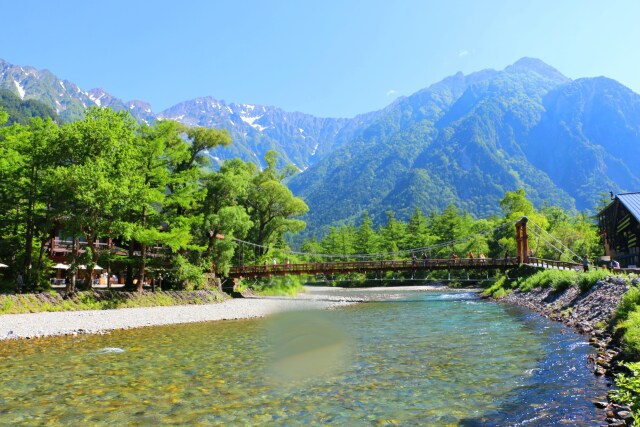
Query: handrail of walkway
(550,263)
(367,266)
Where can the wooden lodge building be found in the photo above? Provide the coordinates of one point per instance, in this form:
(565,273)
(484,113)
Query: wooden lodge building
(620,229)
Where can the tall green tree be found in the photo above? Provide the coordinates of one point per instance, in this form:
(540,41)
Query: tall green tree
(392,234)
(366,240)
(223,213)
(25,196)
(272,207)
(418,234)
(97,183)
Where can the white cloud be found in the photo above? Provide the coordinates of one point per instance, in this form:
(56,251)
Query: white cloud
(463,53)
(392,92)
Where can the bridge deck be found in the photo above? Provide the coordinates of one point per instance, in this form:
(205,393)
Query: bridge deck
(345,267)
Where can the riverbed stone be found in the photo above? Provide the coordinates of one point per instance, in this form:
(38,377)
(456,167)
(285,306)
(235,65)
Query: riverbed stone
(625,415)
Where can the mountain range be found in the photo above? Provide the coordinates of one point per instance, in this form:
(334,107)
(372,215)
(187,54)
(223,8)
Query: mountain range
(464,140)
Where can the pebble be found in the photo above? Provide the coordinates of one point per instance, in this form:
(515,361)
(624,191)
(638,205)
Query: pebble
(33,325)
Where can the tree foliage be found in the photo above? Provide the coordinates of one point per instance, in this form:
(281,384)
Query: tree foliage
(147,189)
(441,234)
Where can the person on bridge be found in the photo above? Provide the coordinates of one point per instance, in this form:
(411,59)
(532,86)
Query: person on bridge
(454,257)
(424,259)
(585,263)
(414,258)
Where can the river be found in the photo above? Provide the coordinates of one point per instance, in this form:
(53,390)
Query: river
(411,358)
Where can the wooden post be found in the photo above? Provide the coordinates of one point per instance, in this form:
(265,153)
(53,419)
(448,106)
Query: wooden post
(518,241)
(525,241)
(522,241)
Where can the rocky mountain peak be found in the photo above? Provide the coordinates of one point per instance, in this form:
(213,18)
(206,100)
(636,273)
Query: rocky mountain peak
(538,66)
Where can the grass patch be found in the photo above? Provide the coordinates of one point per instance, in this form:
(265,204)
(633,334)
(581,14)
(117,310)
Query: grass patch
(276,286)
(499,289)
(32,303)
(557,279)
(526,279)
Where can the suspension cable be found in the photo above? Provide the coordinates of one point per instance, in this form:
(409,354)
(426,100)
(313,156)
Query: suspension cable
(556,240)
(378,254)
(548,242)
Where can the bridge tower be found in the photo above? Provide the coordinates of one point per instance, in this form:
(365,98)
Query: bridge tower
(522,241)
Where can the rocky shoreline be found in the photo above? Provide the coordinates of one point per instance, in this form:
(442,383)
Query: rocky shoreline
(589,313)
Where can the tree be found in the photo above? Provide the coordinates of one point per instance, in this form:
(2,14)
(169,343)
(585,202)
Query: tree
(224,215)
(392,234)
(450,226)
(272,207)
(26,212)
(514,206)
(366,239)
(184,190)
(339,241)
(418,234)
(96,187)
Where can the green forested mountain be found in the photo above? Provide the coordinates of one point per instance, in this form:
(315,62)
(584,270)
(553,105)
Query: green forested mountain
(464,141)
(468,139)
(20,111)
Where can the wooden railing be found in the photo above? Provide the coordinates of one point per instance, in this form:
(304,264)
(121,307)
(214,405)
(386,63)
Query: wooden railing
(553,264)
(346,267)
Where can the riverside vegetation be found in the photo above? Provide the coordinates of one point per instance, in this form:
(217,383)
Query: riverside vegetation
(103,300)
(74,181)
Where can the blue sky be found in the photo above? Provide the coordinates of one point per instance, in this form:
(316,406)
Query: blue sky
(328,57)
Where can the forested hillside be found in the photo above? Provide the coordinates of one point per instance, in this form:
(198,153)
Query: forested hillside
(20,111)
(465,141)
(469,139)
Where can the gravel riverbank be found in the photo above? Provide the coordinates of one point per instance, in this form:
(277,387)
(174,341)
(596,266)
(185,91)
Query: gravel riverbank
(33,325)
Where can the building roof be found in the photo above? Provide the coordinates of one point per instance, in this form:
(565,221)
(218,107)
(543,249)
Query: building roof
(631,201)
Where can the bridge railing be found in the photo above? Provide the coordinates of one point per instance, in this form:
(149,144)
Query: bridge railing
(369,266)
(549,263)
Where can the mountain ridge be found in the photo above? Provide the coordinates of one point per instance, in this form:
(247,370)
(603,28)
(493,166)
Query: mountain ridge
(463,140)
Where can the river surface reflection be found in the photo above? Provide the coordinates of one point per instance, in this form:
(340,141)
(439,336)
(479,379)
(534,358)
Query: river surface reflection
(413,358)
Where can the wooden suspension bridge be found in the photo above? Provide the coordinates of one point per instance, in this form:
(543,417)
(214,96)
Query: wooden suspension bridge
(523,257)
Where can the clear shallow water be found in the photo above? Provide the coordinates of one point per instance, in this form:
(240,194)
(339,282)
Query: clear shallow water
(422,358)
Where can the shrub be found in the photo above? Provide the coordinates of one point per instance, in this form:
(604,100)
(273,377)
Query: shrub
(628,391)
(6,305)
(628,303)
(497,289)
(279,286)
(631,336)
(188,276)
(557,279)
(590,278)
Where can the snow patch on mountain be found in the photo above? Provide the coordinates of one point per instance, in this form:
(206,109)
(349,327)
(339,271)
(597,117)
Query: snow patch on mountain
(21,90)
(96,99)
(249,120)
